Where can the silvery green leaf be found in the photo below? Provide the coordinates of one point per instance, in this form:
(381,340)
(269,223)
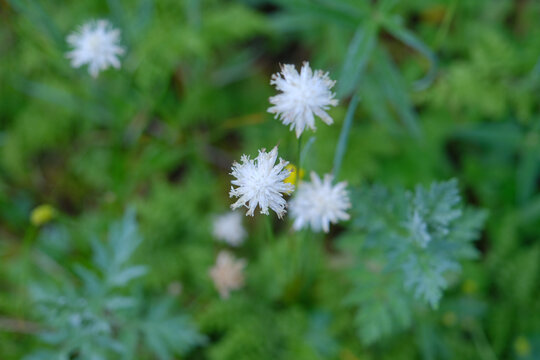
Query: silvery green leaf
(124,276)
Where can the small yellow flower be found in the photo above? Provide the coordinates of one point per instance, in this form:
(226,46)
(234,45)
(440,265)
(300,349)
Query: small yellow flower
(292,177)
(434,14)
(449,319)
(469,286)
(522,346)
(347,354)
(42,214)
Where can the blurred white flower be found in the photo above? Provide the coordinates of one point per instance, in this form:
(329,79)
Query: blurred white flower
(317,204)
(302,95)
(227,273)
(175,288)
(261,183)
(95,43)
(228,228)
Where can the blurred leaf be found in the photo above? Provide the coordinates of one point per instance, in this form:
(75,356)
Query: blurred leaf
(124,238)
(413,242)
(124,276)
(393,89)
(358,55)
(394,27)
(340,12)
(37,15)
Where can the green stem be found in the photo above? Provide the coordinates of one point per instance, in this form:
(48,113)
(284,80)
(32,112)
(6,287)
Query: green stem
(269,229)
(24,273)
(293,263)
(482,343)
(299,160)
(344,136)
(306,148)
(445,26)
(304,253)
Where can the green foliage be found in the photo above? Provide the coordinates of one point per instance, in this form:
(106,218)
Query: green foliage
(255,331)
(101,314)
(367,69)
(427,90)
(411,244)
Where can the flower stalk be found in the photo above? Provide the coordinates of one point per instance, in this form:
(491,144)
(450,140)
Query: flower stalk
(344,136)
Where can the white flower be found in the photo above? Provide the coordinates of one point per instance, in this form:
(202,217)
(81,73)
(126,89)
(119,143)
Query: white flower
(261,183)
(227,273)
(317,204)
(302,95)
(228,228)
(95,43)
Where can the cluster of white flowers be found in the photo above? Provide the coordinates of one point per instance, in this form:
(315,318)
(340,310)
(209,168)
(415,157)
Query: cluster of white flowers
(95,44)
(261,183)
(319,203)
(228,228)
(227,273)
(303,95)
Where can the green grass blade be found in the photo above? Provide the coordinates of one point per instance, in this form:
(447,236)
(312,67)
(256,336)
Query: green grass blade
(344,136)
(358,55)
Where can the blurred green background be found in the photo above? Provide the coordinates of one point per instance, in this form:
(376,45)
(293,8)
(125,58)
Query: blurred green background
(448,89)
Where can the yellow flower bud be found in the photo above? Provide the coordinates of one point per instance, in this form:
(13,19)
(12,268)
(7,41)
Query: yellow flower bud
(449,319)
(42,214)
(522,346)
(469,286)
(292,177)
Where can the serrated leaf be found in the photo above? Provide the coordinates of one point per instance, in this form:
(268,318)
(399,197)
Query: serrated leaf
(91,281)
(100,257)
(124,238)
(413,242)
(425,276)
(120,302)
(124,276)
(167,334)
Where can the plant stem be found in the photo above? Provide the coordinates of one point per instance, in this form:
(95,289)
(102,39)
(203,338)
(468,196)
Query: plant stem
(303,252)
(445,25)
(269,229)
(481,342)
(344,136)
(299,160)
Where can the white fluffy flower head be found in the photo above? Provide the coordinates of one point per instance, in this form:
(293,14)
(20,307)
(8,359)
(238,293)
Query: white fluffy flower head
(303,95)
(227,273)
(261,183)
(319,203)
(96,44)
(228,228)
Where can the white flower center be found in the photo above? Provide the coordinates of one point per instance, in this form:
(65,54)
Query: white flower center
(320,202)
(95,44)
